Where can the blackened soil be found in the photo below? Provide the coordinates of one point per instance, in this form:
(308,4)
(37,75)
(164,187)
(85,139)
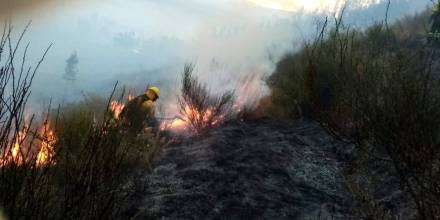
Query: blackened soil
(252,170)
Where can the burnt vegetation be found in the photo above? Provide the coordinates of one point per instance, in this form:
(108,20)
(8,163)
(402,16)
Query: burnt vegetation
(379,90)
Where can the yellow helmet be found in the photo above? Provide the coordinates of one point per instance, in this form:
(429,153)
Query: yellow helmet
(155,90)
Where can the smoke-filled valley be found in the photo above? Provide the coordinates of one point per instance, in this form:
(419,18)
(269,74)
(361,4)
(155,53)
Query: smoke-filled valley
(148,42)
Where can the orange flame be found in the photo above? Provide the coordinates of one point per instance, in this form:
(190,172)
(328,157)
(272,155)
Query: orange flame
(45,137)
(17,154)
(116,108)
(46,154)
(14,155)
(177,124)
(184,122)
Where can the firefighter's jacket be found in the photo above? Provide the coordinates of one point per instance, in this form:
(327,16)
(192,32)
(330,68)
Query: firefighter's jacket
(138,113)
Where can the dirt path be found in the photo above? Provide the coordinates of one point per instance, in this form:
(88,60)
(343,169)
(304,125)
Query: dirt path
(256,170)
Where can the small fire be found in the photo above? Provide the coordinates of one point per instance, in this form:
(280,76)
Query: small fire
(177,124)
(48,140)
(45,138)
(191,115)
(15,155)
(116,108)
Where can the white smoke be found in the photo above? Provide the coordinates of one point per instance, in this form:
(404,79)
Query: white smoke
(234,43)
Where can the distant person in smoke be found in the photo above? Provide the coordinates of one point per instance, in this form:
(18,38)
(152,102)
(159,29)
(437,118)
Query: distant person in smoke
(435,23)
(139,112)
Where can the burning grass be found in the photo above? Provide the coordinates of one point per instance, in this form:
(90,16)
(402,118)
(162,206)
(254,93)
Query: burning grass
(116,107)
(75,163)
(31,147)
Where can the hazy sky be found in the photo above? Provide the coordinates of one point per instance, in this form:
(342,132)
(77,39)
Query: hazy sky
(148,41)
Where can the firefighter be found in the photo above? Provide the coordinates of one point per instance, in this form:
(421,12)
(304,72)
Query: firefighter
(139,112)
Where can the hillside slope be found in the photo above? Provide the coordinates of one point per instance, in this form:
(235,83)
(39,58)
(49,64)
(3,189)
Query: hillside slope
(248,171)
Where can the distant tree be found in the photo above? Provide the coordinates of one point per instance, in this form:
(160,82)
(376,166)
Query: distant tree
(126,39)
(71,69)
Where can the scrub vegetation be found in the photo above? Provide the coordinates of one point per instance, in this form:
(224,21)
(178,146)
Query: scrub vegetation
(199,108)
(378,89)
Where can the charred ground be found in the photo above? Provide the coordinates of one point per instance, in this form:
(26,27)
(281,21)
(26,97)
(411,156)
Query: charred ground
(260,169)
(249,170)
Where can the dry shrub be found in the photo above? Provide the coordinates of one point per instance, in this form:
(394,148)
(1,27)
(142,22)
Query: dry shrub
(21,187)
(363,191)
(199,107)
(403,120)
(373,88)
